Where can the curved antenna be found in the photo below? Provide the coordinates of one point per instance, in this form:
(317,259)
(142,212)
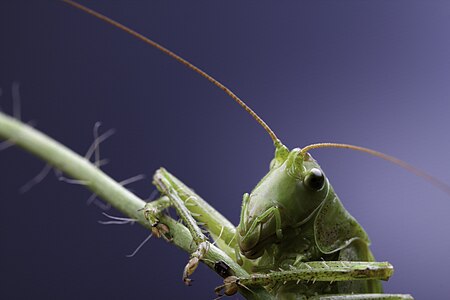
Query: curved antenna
(431,179)
(179,59)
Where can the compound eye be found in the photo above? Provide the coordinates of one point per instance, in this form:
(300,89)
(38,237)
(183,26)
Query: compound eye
(314,180)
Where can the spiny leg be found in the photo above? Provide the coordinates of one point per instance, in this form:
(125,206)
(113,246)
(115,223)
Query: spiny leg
(203,212)
(201,241)
(167,189)
(329,271)
(220,229)
(326,271)
(364,297)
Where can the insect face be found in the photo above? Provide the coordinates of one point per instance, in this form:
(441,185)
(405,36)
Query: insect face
(286,198)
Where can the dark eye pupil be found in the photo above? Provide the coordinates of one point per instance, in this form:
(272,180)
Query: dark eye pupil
(315,179)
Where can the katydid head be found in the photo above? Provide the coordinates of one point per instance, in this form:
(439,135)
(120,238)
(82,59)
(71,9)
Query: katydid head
(295,191)
(293,196)
(287,197)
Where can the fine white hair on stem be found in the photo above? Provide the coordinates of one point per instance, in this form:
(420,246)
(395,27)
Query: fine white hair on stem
(6,144)
(97,202)
(102,162)
(102,205)
(17,107)
(93,197)
(36,179)
(97,145)
(140,246)
(44,172)
(152,195)
(117,220)
(132,179)
(62,178)
(94,149)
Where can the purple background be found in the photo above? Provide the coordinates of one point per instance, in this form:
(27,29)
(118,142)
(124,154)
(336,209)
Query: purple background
(371,73)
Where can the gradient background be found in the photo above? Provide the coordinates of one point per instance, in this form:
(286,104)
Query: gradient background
(371,73)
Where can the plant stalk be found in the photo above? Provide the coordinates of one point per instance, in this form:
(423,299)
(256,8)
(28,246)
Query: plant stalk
(62,158)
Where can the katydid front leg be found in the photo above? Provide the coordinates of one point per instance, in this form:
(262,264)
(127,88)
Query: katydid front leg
(222,230)
(201,241)
(191,208)
(252,235)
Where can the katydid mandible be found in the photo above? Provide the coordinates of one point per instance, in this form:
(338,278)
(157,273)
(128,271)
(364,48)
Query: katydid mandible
(294,235)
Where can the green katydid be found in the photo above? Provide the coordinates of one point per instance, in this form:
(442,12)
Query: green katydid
(248,235)
(294,233)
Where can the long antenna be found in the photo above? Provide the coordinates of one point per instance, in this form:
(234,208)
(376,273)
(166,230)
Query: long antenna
(178,58)
(431,179)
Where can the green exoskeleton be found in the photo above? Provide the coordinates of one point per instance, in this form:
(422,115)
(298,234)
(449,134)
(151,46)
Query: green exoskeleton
(295,237)
(293,216)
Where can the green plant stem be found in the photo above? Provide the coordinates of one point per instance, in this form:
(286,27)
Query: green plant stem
(79,168)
